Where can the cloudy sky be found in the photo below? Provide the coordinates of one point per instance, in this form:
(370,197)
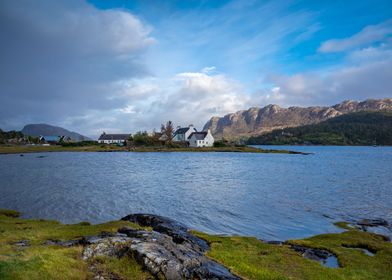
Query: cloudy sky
(123,66)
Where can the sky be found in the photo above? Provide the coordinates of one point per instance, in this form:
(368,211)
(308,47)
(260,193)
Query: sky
(123,66)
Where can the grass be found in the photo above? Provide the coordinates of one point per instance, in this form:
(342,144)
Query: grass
(247,257)
(39,261)
(9,149)
(123,268)
(250,258)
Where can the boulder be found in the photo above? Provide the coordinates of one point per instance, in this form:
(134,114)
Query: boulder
(373,223)
(168,252)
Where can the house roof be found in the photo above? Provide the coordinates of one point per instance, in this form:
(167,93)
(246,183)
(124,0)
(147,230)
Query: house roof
(198,135)
(181,130)
(114,136)
(51,138)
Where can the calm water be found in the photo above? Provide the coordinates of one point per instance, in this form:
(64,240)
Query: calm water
(271,196)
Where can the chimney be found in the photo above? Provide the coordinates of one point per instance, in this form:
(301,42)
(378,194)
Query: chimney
(191,125)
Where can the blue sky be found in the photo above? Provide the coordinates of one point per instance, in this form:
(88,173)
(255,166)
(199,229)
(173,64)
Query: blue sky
(282,35)
(123,66)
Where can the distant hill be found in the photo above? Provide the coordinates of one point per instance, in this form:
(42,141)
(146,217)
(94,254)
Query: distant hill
(46,129)
(255,121)
(361,128)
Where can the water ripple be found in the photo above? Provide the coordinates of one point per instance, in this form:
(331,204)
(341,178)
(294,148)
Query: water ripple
(264,195)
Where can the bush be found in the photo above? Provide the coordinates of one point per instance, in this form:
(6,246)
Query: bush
(220,144)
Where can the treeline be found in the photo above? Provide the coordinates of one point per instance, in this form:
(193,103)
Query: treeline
(154,139)
(362,128)
(5,136)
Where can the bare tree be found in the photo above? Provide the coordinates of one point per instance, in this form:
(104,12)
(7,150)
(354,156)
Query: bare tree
(169,131)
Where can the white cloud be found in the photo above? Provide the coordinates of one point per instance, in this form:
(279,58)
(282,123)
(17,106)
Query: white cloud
(370,34)
(191,97)
(357,81)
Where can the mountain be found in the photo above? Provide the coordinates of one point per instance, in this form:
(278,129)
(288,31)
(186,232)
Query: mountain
(46,129)
(360,128)
(256,121)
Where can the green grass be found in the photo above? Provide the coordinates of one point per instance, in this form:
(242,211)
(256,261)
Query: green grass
(123,268)
(39,261)
(7,149)
(250,258)
(247,257)
(9,213)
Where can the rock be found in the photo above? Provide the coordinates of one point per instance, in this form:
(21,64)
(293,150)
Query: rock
(168,252)
(67,243)
(22,243)
(116,246)
(377,226)
(176,230)
(373,223)
(274,242)
(324,257)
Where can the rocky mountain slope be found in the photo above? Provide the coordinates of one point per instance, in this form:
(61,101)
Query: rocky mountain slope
(46,129)
(256,121)
(359,128)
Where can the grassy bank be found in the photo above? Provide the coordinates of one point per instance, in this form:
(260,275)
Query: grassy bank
(247,257)
(40,261)
(252,259)
(8,149)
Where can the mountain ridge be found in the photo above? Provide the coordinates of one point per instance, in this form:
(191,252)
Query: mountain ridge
(259,120)
(47,129)
(359,128)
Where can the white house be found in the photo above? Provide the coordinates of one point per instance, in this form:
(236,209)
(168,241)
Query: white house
(201,139)
(183,133)
(113,138)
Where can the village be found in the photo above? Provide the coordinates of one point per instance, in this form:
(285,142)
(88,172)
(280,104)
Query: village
(182,136)
(187,136)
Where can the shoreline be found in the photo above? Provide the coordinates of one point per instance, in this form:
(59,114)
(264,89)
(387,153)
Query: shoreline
(144,246)
(97,148)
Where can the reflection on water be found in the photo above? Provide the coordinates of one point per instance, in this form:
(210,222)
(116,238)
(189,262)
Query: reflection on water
(270,196)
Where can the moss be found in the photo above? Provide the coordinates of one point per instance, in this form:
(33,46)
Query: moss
(123,268)
(9,213)
(252,259)
(39,261)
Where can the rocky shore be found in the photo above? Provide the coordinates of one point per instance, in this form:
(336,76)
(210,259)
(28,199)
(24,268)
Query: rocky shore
(169,251)
(144,246)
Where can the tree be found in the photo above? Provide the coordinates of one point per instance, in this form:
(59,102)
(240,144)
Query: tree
(169,131)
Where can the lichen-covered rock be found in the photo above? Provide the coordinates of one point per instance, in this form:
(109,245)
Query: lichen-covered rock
(168,252)
(116,246)
(176,230)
